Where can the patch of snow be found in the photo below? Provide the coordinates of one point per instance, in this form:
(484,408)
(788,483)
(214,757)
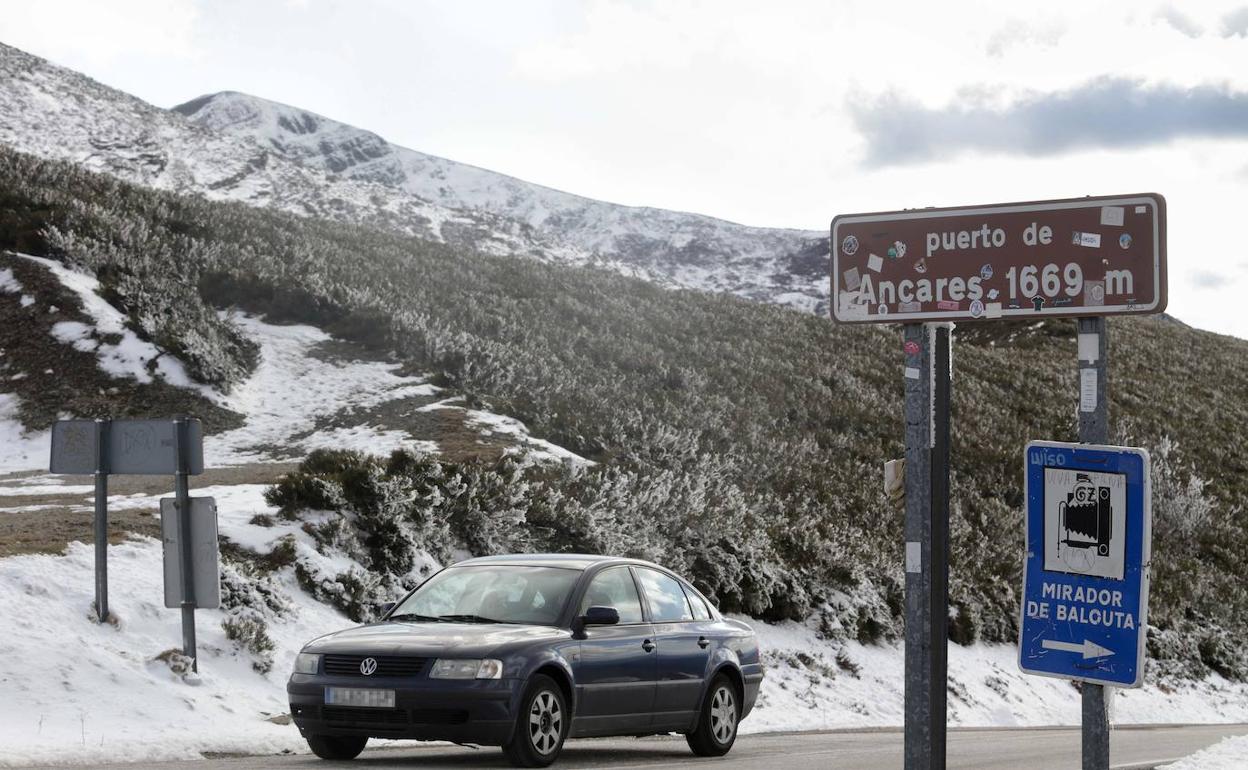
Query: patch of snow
(9,283)
(537,448)
(43,485)
(1228,754)
(19,449)
(131,357)
(292,390)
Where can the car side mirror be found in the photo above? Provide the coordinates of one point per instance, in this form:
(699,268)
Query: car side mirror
(602,616)
(596,616)
(384,608)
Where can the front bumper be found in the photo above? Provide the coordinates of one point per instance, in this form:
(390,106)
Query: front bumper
(467,711)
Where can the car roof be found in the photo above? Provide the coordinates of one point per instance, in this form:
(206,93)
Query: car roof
(579,561)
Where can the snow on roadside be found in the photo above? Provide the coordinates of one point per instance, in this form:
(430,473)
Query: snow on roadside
(83,692)
(1228,754)
(813,684)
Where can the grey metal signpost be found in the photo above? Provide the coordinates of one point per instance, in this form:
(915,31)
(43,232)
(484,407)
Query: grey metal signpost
(182,492)
(101,521)
(1094,429)
(139,447)
(927,375)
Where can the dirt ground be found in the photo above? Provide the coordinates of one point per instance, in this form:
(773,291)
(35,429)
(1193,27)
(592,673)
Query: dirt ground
(64,517)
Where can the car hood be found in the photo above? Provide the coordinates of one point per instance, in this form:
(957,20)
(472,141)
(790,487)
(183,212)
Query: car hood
(433,639)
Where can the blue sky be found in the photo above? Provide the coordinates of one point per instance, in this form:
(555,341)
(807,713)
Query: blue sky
(781,113)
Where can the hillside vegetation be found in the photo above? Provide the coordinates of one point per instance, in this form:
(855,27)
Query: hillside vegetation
(739,442)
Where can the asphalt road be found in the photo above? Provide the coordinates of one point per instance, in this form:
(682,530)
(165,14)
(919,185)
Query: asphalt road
(1015,749)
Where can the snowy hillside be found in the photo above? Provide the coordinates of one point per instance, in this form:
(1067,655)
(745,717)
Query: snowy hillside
(309,391)
(686,249)
(54,112)
(241,148)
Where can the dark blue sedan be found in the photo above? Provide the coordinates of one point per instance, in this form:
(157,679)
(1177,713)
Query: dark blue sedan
(525,651)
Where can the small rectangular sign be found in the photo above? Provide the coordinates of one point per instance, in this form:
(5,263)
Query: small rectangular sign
(74,445)
(205,560)
(1086,571)
(1087,390)
(146,447)
(136,447)
(1070,257)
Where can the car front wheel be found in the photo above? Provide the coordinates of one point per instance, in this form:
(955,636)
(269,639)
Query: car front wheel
(336,747)
(717,724)
(541,726)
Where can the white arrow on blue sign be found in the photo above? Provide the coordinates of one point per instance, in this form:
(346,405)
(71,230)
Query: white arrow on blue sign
(1085,578)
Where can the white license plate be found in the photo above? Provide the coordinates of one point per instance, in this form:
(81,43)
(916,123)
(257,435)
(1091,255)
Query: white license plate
(360,697)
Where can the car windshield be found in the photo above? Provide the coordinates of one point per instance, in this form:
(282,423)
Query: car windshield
(493,593)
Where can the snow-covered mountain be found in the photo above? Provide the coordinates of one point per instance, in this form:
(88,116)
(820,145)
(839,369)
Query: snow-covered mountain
(54,112)
(231,146)
(686,249)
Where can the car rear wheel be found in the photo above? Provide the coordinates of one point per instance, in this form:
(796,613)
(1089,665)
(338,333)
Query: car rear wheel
(541,726)
(717,724)
(338,747)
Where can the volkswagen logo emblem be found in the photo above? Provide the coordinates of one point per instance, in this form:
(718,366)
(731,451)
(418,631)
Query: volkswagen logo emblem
(368,666)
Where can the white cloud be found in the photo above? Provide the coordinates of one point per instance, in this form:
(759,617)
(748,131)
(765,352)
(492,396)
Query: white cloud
(1179,20)
(96,34)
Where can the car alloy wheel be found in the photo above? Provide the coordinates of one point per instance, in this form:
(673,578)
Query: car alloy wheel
(545,722)
(723,714)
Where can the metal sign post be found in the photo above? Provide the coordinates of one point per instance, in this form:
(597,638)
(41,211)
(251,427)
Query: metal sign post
(927,380)
(1094,429)
(182,451)
(139,447)
(101,521)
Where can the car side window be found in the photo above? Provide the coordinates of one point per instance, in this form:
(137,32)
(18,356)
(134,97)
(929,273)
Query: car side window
(700,612)
(665,596)
(614,588)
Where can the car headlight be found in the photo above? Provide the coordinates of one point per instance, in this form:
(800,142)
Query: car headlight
(466,668)
(307,663)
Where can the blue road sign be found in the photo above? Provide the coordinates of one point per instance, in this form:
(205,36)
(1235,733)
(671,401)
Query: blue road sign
(1085,582)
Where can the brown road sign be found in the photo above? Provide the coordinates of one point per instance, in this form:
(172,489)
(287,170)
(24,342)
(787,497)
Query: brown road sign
(1075,257)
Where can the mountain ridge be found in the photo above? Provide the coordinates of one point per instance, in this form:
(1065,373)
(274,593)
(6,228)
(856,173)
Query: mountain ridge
(688,249)
(53,112)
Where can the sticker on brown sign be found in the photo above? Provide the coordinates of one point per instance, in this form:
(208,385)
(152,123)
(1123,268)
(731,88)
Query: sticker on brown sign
(1072,257)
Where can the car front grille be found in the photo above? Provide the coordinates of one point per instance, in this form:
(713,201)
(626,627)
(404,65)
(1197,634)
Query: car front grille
(349,665)
(339,716)
(349,716)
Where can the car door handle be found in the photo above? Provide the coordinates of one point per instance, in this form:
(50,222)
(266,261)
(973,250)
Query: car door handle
(703,642)
(648,646)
